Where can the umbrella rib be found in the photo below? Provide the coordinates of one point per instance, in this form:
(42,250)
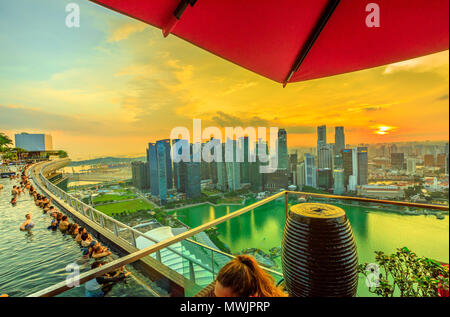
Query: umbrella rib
(321,22)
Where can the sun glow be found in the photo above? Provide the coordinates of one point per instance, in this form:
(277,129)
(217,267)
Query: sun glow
(383,130)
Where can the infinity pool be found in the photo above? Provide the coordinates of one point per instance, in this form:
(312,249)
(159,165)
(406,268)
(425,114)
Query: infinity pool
(32,261)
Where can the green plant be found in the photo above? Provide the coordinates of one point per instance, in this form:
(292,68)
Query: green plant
(405,274)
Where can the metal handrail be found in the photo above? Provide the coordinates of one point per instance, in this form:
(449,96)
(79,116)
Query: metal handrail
(104,216)
(371,200)
(133,257)
(62,286)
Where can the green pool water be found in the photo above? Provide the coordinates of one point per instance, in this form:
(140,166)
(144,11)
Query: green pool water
(374,229)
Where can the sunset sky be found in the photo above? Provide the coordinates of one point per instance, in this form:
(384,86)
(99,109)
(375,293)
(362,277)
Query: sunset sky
(115,84)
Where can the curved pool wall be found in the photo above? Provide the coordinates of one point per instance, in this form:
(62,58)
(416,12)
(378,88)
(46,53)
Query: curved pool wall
(374,229)
(33,260)
(166,281)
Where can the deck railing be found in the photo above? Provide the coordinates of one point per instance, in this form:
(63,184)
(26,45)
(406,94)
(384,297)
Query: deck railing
(117,228)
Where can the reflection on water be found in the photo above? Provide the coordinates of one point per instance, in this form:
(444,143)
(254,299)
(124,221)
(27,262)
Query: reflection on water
(373,229)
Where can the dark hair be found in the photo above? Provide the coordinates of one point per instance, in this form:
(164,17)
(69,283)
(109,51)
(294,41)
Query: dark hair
(246,278)
(96,264)
(84,236)
(64,218)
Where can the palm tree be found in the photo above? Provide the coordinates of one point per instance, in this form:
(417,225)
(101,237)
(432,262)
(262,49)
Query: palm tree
(5,142)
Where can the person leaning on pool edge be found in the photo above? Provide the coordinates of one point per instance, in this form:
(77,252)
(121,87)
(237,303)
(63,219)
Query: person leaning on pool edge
(243,277)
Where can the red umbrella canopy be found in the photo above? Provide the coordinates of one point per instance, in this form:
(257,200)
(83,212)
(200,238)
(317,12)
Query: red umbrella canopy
(296,40)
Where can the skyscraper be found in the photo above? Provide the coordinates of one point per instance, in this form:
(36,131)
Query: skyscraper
(245,166)
(325,156)
(339,179)
(347,159)
(282,150)
(293,161)
(321,136)
(339,140)
(301,180)
(363,165)
(153,169)
(140,175)
(193,184)
(168,162)
(179,168)
(310,171)
(161,160)
(324,178)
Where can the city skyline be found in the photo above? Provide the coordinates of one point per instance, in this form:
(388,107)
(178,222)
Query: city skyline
(118,81)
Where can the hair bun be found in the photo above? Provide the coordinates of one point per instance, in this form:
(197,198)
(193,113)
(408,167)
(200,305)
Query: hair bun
(247,260)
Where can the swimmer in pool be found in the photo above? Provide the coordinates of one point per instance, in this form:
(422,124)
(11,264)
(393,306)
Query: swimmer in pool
(64,224)
(28,224)
(100,286)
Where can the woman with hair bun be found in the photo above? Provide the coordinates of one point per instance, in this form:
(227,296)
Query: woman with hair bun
(243,277)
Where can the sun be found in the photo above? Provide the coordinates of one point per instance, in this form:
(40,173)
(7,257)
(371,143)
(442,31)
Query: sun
(383,129)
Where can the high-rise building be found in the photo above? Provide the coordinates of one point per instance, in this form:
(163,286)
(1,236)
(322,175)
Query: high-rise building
(321,136)
(324,178)
(356,160)
(34,142)
(193,182)
(168,160)
(258,179)
(339,140)
(347,159)
(428,160)
(233,170)
(179,168)
(325,156)
(397,161)
(363,165)
(310,171)
(161,160)
(153,169)
(339,182)
(293,160)
(411,166)
(282,149)
(301,181)
(338,162)
(140,175)
(222,178)
(441,160)
(277,180)
(245,166)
